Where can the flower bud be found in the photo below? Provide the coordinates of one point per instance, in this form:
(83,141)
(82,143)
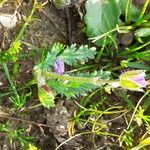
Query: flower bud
(59,67)
(133,80)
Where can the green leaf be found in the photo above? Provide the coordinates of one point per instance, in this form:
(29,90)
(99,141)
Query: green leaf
(138,65)
(142,32)
(133,12)
(101,17)
(11,53)
(73,55)
(52,55)
(100,73)
(46,97)
(72,89)
(45,94)
(32,147)
(70,55)
(145,55)
(142,144)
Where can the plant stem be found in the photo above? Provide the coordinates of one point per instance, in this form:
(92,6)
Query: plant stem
(84,133)
(122,29)
(140,47)
(130,50)
(143,9)
(101,50)
(117,68)
(26,22)
(128,12)
(12,91)
(137,108)
(95,80)
(103,35)
(9,78)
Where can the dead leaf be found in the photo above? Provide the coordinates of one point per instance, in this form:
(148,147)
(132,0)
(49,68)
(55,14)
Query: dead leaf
(8,20)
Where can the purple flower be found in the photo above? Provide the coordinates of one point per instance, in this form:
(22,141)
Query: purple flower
(59,67)
(133,80)
(140,80)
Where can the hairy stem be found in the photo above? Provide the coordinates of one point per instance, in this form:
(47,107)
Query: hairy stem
(94,80)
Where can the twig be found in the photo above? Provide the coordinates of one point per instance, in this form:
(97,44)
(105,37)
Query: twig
(83,133)
(8,116)
(68,25)
(137,108)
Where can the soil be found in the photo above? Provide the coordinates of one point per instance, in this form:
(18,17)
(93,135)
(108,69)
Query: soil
(49,127)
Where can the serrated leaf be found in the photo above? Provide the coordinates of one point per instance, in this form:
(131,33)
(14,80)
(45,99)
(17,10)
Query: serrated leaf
(76,88)
(100,73)
(11,53)
(52,55)
(101,17)
(70,89)
(73,55)
(70,55)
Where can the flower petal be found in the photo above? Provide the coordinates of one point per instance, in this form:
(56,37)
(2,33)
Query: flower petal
(133,80)
(59,67)
(140,81)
